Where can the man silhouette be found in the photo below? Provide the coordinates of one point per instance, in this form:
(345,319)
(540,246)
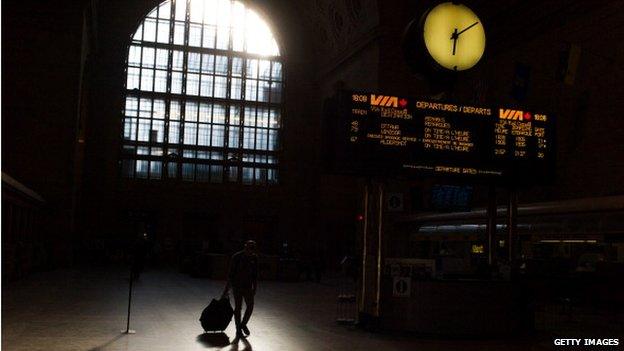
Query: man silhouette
(242,278)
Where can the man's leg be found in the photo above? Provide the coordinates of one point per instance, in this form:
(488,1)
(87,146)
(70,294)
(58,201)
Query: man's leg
(238,304)
(249,305)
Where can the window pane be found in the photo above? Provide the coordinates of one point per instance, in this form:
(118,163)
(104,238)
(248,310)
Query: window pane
(193,61)
(130,128)
(144,129)
(237,66)
(178,32)
(160,83)
(147,79)
(192,84)
(132,106)
(277,71)
(216,174)
(248,138)
(127,168)
(172,170)
(218,114)
(223,37)
(274,118)
(220,89)
(141,168)
(273,139)
(204,113)
(263,91)
(222,65)
(251,90)
(210,33)
(174,110)
(174,132)
(159,109)
(165,10)
(252,69)
(234,115)
(208,62)
(195,33)
(176,82)
(262,119)
(235,91)
(188,171)
(203,173)
(276,92)
(163,31)
(250,116)
(190,111)
(190,133)
(233,137)
(203,137)
(206,85)
(157,133)
(155,169)
(162,58)
(233,177)
(134,55)
(247,175)
(264,69)
(180,10)
(218,135)
(178,60)
(133,78)
(138,35)
(145,109)
(149,30)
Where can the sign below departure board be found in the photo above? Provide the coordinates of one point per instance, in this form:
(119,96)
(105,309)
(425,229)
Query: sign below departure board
(382,134)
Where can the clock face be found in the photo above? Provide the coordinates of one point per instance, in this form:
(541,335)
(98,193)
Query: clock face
(454,36)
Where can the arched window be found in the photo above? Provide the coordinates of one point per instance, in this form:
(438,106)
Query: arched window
(203,95)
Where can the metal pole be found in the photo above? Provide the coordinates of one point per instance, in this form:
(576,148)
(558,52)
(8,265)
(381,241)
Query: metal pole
(379,240)
(364,248)
(491,226)
(128,330)
(512,214)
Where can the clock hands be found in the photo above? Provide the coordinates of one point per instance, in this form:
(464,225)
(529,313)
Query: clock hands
(456,34)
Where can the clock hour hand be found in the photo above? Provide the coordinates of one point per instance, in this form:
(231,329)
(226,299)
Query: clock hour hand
(454,37)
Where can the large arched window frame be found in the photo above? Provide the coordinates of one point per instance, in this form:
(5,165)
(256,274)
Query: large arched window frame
(203,95)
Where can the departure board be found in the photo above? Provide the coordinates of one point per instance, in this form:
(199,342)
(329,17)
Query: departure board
(384,134)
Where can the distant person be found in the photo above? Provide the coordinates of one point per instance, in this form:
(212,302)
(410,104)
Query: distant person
(243,279)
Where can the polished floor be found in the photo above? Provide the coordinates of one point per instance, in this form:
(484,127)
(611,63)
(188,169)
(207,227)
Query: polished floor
(85,310)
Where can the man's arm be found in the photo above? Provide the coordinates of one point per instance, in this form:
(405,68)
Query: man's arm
(230,274)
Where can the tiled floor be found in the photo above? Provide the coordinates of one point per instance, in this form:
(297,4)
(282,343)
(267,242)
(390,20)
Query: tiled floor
(73,310)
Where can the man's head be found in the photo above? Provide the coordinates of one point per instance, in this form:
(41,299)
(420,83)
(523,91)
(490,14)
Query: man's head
(250,247)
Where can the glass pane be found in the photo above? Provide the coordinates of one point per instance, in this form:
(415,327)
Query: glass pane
(160,83)
(190,133)
(235,90)
(222,65)
(274,119)
(145,108)
(250,116)
(192,84)
(178,60)
(157,134)
(248,175)
(272,176)
(233,137)
(190,111)
(208,63)
(127,168)
(218,135)
(132,106)
(130,128)
(209,39)
(180,10)
(223,38)
(264,69)
(220,87)
(206,85)
(149,30)
(165,10)
(203,137)
(193,61)
(176,82)
(174,110)
(178,33)
(138,35)
(276,92)
(263,91)
(144,130)
(196,11)
(252,69)
(262,119)
(133,78)
(155,170)
(216,174)
(261,139)
(204,113)
(163,31)
(159,109)
(234,115)
(147,79)
(141,168)
(248,138)
(188,171)
(277,71)
(174,132)
(233,176)
(273,139)
(203,173)
(251,90)
(218,114)
(134,55)
(162,58)
(172,170)
(195,33)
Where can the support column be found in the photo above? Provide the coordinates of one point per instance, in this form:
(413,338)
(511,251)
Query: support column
(491,227)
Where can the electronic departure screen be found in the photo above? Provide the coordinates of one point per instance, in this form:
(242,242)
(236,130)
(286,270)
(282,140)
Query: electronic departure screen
(383,134)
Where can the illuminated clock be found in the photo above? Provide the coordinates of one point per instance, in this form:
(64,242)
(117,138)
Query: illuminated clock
(454,36)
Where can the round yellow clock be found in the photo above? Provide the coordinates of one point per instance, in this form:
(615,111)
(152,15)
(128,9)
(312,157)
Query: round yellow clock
(454,36)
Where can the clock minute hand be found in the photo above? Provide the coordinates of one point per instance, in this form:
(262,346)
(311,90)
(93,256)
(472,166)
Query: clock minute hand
(465,29)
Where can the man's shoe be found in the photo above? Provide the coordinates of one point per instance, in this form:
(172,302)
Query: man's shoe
(239,334)
(245,330)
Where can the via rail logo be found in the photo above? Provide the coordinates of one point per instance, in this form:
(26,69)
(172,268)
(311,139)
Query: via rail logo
(514,115)
(387,101)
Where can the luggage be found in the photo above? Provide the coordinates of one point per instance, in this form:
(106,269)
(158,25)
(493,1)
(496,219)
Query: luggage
(217,315)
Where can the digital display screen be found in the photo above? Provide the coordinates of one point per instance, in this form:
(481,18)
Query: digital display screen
(384,134)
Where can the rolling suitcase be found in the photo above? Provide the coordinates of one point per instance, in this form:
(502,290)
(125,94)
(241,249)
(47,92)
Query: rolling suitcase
(217,315)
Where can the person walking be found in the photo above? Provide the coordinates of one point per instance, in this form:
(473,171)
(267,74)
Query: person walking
(242,279)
